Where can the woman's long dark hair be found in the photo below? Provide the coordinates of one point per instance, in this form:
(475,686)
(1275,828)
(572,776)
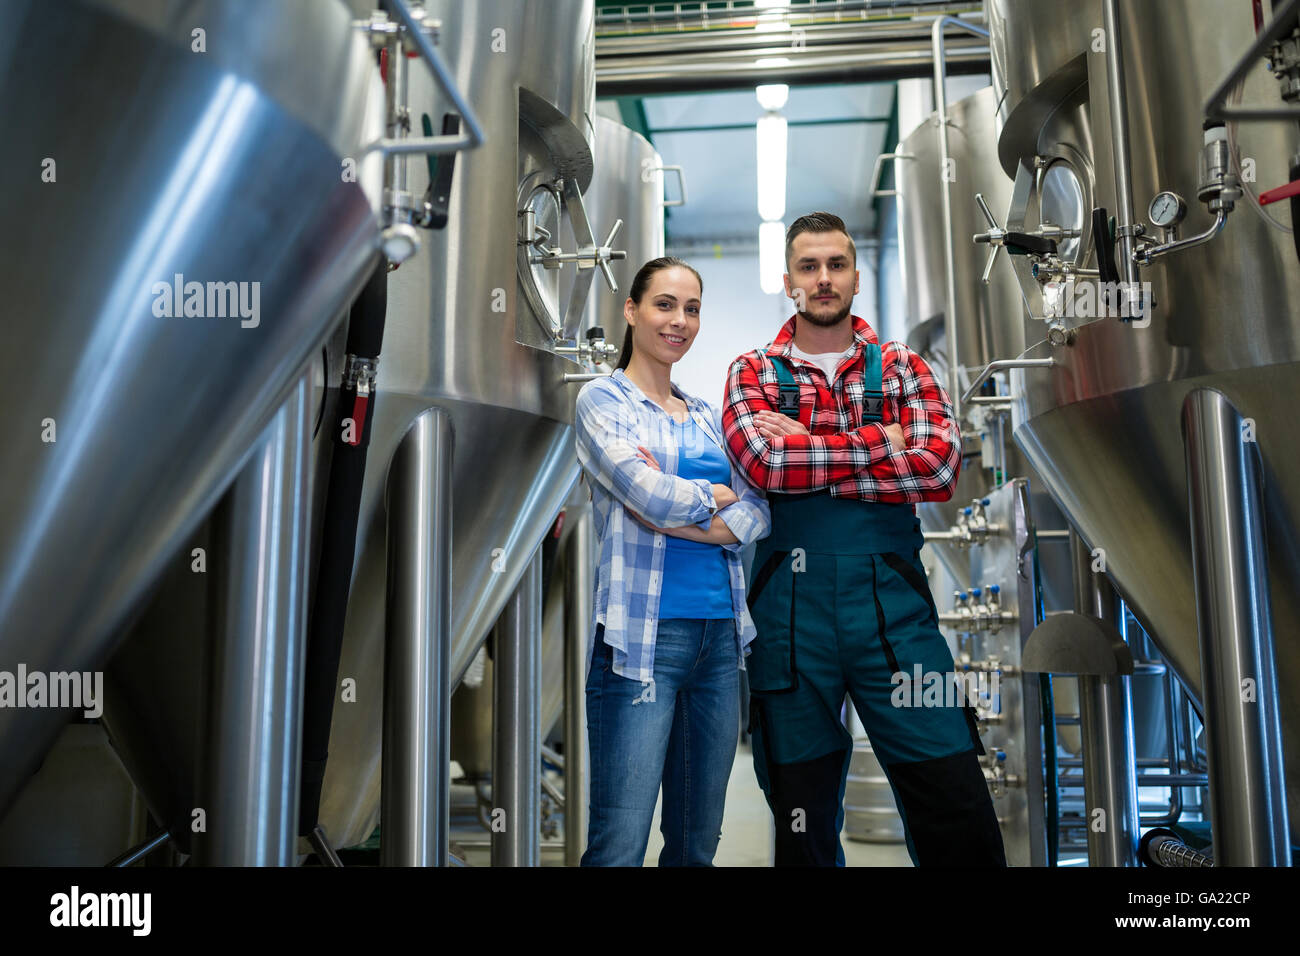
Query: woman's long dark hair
(639,284)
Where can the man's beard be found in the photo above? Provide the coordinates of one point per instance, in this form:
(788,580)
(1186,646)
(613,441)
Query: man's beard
(827,321)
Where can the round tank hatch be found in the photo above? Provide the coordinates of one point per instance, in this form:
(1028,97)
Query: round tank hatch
(539,213)
(1062,204)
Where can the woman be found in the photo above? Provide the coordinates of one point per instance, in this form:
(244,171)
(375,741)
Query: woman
(671,623)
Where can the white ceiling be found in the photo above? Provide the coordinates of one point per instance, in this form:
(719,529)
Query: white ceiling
(828,164)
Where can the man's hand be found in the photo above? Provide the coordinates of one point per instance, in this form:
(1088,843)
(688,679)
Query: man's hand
(775,425)
(723,496)
(895,433)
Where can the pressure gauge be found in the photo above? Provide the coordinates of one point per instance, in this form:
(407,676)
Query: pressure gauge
(1167,209)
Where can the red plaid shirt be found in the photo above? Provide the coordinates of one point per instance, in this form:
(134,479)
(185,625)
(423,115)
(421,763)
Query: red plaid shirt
(852,459)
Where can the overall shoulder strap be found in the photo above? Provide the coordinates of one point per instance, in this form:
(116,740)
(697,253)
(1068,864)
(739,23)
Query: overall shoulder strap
(873,394)
(787,388)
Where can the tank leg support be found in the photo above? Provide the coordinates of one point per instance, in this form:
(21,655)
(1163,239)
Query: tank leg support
(516,720)
(416,802)
(1234,621)
(249,788)
(1106,726)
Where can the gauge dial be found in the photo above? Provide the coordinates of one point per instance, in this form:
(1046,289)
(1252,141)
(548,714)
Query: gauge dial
(1167,209)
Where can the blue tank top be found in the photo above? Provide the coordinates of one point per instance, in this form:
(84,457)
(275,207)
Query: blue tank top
(696,580)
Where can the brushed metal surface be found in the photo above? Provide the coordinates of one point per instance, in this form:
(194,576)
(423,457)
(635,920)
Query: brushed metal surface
(1102,427)
(461,336)
(626,186)
(219,167)
(991,318)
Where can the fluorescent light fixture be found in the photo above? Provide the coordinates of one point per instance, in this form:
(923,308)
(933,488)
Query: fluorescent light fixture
(772,96)
(771,140)
(771,256)
(767,4)
(772,61)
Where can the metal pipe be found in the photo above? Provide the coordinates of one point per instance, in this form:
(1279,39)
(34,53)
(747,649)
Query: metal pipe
(516,722)
(1234,620)
(580,561)
(725,14)
(945,191)
(1118,101)
(1106,730)
(1147,253)
(135,854)
(321,844)
(998,366)
(643,76)
(249,783)
(416,801)
(1215,107)
(473,135)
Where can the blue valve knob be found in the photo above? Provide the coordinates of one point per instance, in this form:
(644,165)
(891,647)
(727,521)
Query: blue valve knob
(995,589)
(984,502)
(966,511)
(961,595)
(1002,756)
(975,593)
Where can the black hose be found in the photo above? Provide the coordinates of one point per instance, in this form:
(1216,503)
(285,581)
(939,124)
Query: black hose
(1295,208)
(338,545)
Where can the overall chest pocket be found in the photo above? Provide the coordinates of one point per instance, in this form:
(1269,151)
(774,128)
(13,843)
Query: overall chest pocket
(773,604)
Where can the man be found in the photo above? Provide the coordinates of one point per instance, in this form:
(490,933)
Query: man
(845,436)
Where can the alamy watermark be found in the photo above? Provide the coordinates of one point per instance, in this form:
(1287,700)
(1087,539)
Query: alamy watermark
(208,300)
(943,688)
(82,690)
(1093,299)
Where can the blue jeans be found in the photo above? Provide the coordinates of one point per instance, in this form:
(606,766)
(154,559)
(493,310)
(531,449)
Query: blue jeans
(681,731)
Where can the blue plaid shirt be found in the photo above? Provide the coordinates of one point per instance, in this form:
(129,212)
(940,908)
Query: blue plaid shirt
(613,417)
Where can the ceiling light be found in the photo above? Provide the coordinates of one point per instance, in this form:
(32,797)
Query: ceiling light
(772,96)
(771,143)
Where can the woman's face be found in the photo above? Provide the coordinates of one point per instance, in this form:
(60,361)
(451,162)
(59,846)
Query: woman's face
(666,321)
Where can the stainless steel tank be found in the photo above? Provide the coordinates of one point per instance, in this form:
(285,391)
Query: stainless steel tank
(179,155)
(1102,426)
(628,185)
(465,334)
(989,317)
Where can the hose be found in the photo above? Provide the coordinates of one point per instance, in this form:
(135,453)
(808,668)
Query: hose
(339,537)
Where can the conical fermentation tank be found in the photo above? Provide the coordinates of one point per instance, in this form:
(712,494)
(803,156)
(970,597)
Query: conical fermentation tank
(627,185)
(989,317)
(183,242)
(475,320)
(1102,425)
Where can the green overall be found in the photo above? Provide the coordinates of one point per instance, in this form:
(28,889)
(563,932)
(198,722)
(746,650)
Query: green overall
(841,604)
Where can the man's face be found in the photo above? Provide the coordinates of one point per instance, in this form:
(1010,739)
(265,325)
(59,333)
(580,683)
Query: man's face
(822,279)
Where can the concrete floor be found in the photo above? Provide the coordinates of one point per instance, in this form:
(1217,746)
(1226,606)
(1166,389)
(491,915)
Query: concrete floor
(746,832)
